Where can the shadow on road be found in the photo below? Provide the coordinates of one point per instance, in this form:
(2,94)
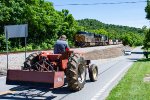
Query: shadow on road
(139,60)
(133,59)
(137,52)
(25,93)
(144,60)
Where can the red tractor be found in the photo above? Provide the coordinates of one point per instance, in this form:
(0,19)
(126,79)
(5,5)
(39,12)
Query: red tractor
(48,69)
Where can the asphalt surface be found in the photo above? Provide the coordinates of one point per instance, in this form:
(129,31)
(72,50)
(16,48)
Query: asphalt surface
(110,72)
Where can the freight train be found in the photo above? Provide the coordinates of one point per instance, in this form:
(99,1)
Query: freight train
(84,39)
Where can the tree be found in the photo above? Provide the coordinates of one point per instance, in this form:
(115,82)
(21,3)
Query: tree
(102,31)
(147,10)
(147,31)
(127,39)
(146,39)
(44,22)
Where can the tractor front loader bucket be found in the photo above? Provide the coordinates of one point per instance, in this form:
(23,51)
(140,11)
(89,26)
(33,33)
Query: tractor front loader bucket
(35,78)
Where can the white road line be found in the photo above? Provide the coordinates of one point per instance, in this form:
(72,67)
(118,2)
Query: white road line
(109,83)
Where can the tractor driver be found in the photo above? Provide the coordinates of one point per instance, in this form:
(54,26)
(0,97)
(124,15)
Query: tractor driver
(61,45)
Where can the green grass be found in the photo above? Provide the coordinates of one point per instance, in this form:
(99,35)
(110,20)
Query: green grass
(132,86)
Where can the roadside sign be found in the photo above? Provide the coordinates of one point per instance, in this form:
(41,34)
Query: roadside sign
(14,31)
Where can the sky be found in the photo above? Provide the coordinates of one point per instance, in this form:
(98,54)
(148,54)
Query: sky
(126,14)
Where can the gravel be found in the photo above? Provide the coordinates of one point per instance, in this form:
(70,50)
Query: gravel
(15,61)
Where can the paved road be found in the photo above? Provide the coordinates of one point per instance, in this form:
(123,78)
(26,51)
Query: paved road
(110,72)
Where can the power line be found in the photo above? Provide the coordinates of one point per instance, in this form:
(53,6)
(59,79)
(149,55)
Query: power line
(103,3)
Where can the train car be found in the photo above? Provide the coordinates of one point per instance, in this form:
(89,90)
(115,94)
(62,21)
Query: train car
(84,39)
(115,42)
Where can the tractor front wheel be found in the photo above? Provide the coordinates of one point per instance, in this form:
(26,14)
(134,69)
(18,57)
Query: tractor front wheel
(76,72)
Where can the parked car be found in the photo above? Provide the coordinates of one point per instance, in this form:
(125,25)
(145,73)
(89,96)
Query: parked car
(127,52)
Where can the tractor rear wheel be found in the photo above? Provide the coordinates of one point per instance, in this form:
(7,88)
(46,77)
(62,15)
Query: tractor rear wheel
(93,72)
(76,72)
(30,60)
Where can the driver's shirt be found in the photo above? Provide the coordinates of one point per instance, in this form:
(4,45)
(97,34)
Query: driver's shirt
(60,46)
